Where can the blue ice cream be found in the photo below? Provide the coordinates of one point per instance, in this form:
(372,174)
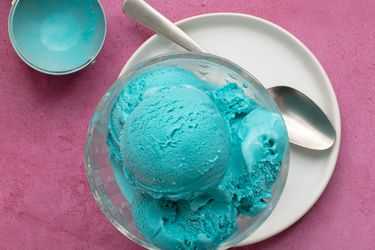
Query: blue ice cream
(191,156)
(160,149)
(185,224)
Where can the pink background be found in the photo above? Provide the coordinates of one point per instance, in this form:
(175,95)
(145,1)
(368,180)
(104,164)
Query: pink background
(45,201)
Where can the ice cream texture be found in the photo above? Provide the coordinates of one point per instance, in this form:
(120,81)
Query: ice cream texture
(191,156)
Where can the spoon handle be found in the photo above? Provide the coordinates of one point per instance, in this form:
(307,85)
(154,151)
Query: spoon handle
(142,12)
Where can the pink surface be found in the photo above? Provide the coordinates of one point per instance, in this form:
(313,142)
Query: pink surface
(45,201)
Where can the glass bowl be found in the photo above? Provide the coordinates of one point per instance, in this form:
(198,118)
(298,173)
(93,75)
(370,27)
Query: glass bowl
(104,176)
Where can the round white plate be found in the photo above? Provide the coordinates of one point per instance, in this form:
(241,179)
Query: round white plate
(275,57)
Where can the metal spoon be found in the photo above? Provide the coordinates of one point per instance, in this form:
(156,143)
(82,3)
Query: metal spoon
(307,124)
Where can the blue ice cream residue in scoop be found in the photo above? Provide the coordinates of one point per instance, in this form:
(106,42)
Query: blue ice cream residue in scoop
(191,156)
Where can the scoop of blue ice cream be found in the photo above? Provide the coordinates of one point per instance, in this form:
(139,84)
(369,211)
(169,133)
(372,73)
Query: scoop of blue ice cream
(138,88)
(184,224)
(264,137)
(175,143)
(259,145)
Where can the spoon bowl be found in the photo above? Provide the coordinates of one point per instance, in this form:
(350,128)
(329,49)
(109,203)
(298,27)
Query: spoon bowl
(307,124)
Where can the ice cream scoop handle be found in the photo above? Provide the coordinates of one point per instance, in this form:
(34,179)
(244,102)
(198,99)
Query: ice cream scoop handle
(148,16)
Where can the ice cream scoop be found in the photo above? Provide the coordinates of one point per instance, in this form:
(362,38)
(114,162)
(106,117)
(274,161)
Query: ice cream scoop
(179,225)
(175,144)
(262,137)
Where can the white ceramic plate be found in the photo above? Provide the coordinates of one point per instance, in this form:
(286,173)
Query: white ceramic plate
(274,57)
